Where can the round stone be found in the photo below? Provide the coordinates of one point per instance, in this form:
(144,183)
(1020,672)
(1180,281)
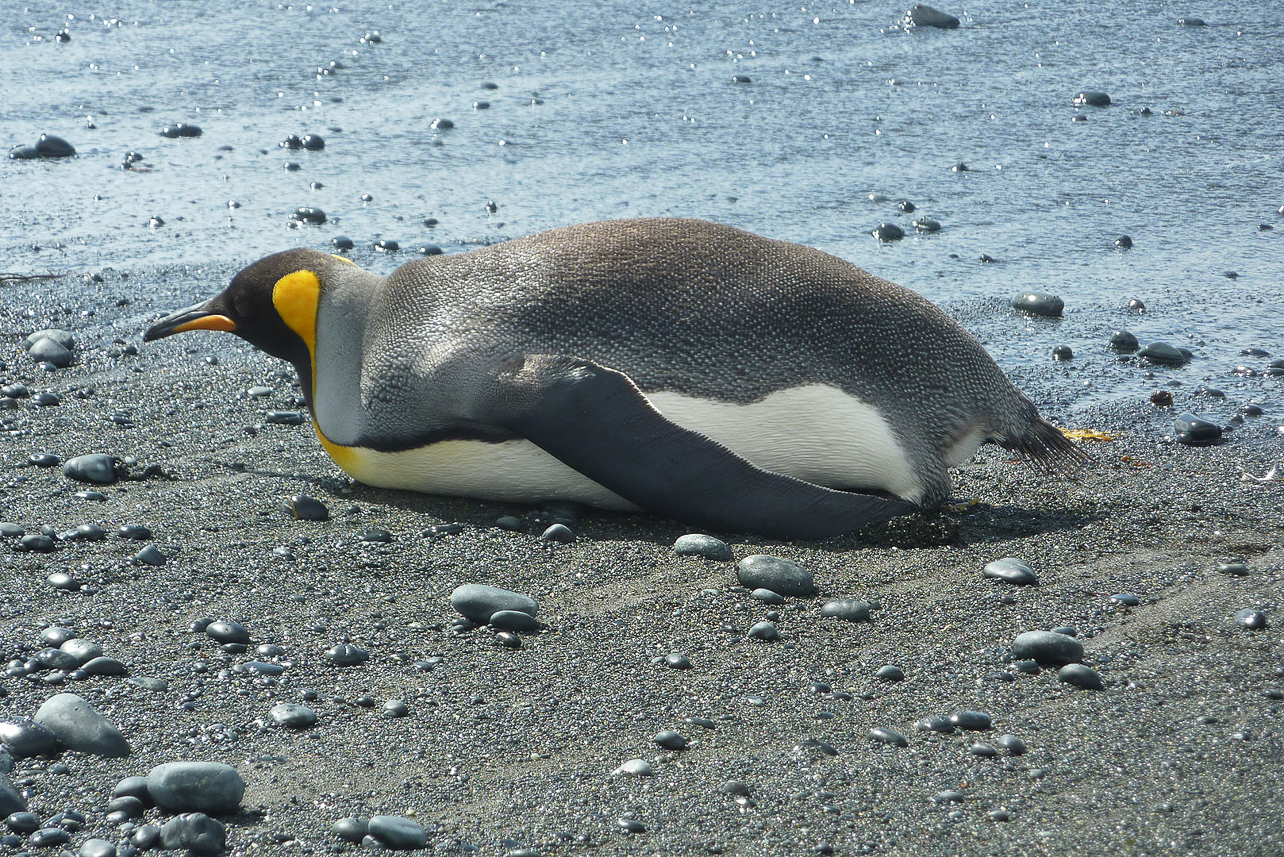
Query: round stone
(766,596)
(764,630)
(1235,569)
(25,738)
(888,232)
(227,632)
(1047,647)
(847,609)
(698,544)
(1011,570)
(1039,303)
(83,651)
(1062,353)
(95,468)
(150,555)
(208,787)
(1081,676)
(1196,431)
(479,602)
(307,508)
(559,533)
(1123,342)
(292,715)
(1162,354)
(890,673)
(346,655)
(1014,745)
(105,666)
(936,723)
(1125,598)
(975,721)
(670,740)
(677,661)
(1092,98)
(888,736)
(195,831)
(351,829)
(397,832)
(779,575)
(514,620)
(1252,619)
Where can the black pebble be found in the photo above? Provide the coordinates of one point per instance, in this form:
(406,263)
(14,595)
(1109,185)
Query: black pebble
(1062,353)
(135,532)
(1195,431)
(307,508)
(1092,98)
(1123,242)
(1123,342)
(1252,619)
(888,232)
(50,146)
(342,242)
(309,214)
(558,533)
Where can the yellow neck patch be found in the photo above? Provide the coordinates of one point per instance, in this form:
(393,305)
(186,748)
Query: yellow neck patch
(296,298)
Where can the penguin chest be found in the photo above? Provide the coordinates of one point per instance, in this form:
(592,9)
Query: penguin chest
(815,433)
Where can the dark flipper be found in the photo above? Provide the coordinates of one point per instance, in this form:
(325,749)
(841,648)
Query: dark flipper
(595,420)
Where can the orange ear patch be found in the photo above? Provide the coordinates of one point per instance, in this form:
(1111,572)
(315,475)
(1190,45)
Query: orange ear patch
(296,297)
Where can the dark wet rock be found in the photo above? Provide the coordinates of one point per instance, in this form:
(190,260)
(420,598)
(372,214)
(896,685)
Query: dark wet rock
(698,544)
(105,666)
(46,399)
(89,532)
(36,543)
(284,418)
(559,533)
(1039,303)
(346,655)
(961,167)
(1161,399)
(936,723)
(888,232)
(1125,598)
(397,832)
(52,146)
(76,723)
(10,530)
(440,124)
(1191,22)
(1081,676)
(922,15)
(22,821)
(307,508)
(1047,647)
(95,468)
(1137,305)
(888,736)
(927,225)
(906,206)
(1163,354)
(766,596)
(23,153)
(49,351)
(668,739)
(351,829)
(48,837)
(1014,745)
(387,245)
(55,659)
(677,661)
(308,214)
(150,555)
(983,750)
(1196,431)
(1123,342)
(1092,98)
(11,801)
(1250,618)
(478,602)
(890,673)
(779,575)
(342,242)
(1123,242)
(195,831)
(25,738)
(1235,569)
(508,640)
(292,715)
(428,250)
(847,609)
(1062,353)
(134,532)
(1011,570)
(764,631)
(83,651)
(975,721)
(208,787)
(97,848)
(227,632)
(514,620)
(741,78)
(56,635)
(180,129)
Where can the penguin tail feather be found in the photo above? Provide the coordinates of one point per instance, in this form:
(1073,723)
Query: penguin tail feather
(1047,450)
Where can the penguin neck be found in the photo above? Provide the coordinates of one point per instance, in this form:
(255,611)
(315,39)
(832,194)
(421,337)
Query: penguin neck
(339,343)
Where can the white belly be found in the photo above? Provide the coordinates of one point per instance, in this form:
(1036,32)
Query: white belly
(816,433)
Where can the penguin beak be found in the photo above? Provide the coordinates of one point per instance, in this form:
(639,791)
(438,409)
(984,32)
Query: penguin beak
(195,317)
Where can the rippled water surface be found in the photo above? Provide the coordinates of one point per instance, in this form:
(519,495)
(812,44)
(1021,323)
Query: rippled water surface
(795,121)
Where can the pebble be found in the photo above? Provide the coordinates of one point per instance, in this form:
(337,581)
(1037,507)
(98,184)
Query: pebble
(975,721)
(847,609)
(1123,242)
(983,750)
(1123,342)
(292,715)
(134,532)
(922,15)
(1039,303)
(514,620)
(766,596)
(343,242)
(48,351)
(83,651)
(1236,569)
(1014,745)
(105,666)
(37,543)
(1092,98)
(46,399)
(346,655)
(634,767)
(888,232)
(479,602)
(284,418)
(888,736)
(559,533)
(351,829)
(1081,676)
(779,575)
(208,787)
(677,661)
(25,738)
(55,659)
(78,726)
(47,837)
(1196,431)
(668,739)
(97,848)
(180,129)
(23,822)
(150,555)
(927,224)
(1047,647)
(1252,619)
(395,708)
(307,508)
(96,468)
(1012,570)
(890,673)
(53,146)
(308,214)
(764,630)
(1062,353)
(43,459)
(1163,354)
(10,530)
(1125,598)
(13,803)
(225,631)
(195,831)
(698,544)
(1161,399)
(936,723)
(397,832)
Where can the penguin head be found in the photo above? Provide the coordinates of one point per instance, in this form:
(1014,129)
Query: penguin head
(272,305)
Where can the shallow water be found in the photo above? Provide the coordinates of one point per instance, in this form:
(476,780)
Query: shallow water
(617,110)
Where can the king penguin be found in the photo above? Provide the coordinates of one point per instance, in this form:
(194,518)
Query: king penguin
(684,368)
